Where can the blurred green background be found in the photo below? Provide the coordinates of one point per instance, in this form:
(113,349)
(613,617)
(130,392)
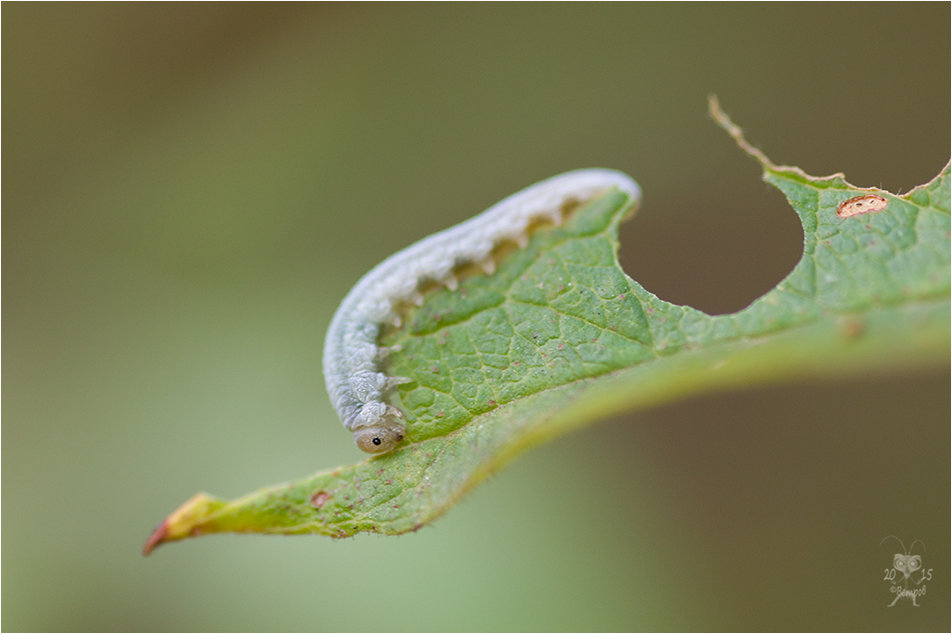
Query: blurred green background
(190,189)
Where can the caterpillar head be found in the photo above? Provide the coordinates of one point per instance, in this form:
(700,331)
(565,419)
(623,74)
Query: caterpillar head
(378,439)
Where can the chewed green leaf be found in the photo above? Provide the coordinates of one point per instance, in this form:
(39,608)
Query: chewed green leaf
(557,337)
(553,313)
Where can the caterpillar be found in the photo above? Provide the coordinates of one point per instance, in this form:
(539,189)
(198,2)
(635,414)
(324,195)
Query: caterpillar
(352,358)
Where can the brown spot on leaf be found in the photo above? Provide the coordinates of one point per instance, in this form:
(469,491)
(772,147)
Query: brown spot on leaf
(320,498)
(870,203)
(852,327)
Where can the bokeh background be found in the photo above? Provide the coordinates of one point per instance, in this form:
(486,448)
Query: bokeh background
(190,189)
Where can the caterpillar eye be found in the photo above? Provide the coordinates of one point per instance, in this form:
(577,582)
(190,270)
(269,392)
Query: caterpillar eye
(377,439)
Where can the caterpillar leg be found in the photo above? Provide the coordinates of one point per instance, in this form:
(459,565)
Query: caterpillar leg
(394,381)
(385,351)
(488,266)
(395,413)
